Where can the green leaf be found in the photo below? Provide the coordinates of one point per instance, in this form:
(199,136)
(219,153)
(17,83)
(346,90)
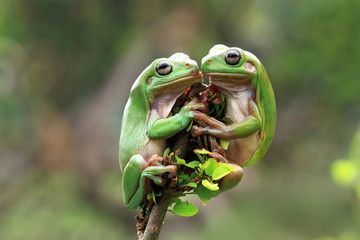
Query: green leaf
(193,164)
(201,158)
(175,200)
(180,161)
(212,96)
(185,209)
(216,106)
(184,176)
(205,194)
(153,197)
(220,172)
(209,185)
(202,151)
(210,166)
(188,128)
(211,111)
(166,152)
(192,184)
(231,168)
(224,143)
(193,175)
(222,98)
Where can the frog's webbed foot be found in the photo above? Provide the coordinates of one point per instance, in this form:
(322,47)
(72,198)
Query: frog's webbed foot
(210,121)
(209,125)
(155,169)
(223,133)
(193,106)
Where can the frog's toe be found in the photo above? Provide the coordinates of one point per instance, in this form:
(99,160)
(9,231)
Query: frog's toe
(154,160)
(172,169)
(198,115)
(195,131)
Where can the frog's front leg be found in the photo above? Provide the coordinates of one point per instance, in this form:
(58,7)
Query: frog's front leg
(164,128)
(242,129)
(136,176)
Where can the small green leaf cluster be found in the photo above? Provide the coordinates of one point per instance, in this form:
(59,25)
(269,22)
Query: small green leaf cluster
(200,177)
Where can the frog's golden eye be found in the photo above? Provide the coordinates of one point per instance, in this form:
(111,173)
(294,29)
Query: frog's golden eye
(164,67)
(232,57)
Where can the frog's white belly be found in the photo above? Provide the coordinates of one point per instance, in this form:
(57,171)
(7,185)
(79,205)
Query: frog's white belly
(152,147)
(237,109)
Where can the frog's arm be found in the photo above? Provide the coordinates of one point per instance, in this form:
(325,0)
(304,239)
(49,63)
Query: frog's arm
(242,129)
(163,128)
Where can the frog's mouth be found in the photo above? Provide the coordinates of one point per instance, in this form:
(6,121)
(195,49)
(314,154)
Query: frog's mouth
(196,78)
(225,75)
(180,84)
(231,82)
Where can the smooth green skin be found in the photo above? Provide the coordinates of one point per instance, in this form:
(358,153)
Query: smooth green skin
(146,124)
(260,124)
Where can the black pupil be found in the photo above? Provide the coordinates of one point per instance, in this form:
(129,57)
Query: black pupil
(163,66)
(232,55)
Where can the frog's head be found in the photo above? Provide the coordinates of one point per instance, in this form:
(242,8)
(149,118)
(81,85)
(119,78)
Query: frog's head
(229,67)
(172,76)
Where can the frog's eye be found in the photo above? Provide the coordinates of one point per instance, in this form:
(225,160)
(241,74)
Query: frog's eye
(232,57)
(164,67)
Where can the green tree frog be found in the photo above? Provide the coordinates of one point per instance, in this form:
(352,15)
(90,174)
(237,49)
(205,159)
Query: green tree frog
(146,123)
(250,104)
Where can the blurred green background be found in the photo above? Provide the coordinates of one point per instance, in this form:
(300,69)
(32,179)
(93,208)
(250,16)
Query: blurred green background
(66,68)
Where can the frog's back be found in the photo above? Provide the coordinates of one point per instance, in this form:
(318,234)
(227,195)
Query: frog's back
(265,100)
(133,126)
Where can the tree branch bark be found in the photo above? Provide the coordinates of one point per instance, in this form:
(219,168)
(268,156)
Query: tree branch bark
(157,215)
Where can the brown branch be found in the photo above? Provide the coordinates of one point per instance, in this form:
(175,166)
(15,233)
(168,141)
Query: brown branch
(157,216)
(149,227)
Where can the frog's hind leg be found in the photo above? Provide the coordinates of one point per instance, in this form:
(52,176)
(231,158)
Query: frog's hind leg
(135,181)
(232,179)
